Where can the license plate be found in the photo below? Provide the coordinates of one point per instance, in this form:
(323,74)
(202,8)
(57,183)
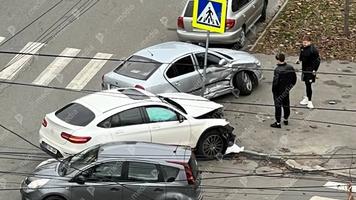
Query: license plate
(50,148)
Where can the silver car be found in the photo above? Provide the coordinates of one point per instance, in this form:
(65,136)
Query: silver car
(118,171)
(240,17)
(178,67)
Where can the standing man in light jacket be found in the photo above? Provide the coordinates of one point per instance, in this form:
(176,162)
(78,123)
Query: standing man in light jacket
(310,58)
(284,80)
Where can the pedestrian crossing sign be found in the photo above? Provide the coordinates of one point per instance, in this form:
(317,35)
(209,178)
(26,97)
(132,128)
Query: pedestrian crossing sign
(210,15)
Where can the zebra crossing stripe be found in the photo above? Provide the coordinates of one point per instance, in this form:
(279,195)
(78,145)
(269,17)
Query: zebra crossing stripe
(321,198)
(19,61)
(2,39)
(338,186)
(88,72)
(56,67)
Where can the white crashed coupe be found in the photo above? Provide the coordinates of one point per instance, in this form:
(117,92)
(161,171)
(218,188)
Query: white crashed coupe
(132,114)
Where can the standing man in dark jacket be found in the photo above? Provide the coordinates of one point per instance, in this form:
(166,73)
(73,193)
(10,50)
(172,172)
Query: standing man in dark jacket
(309,56)
(284,80)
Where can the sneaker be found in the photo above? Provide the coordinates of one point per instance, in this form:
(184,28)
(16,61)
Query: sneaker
(304,101)
(310,105)
(276,125)
(285,122)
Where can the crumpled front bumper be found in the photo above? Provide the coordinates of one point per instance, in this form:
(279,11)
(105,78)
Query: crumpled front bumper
(228,134)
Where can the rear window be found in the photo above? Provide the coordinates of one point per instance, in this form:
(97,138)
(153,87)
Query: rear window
(138,67)
(75,114)
(134,94)
(189,9)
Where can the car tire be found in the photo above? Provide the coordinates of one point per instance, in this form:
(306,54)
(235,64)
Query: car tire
(243,83)
(264,12)
(54,198)
(242,40)
(211,145)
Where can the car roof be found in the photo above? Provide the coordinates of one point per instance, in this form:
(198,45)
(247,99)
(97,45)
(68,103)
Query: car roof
(168,51)
(107,100)
(144,151)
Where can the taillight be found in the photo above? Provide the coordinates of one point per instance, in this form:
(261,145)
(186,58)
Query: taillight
(75,139)
(44,123)
(180,22)
(188,172)
(230,23)
(139,87)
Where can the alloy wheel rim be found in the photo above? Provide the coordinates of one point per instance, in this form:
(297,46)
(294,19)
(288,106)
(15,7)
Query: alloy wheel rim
(213,145)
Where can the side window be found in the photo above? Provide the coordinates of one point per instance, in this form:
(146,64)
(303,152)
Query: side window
(104,172)
(146,172)
(238,4)
(131,117)
(212,60)
(169,173)
(161,114)
(182,66)
(125,118)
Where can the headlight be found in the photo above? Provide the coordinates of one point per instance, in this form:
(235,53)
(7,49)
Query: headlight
(37,183)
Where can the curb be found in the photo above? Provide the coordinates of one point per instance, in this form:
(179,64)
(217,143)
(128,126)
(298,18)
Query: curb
(269,25)
(293,165)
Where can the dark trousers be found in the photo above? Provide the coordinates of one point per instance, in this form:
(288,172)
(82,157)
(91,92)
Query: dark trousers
(281,101)
(308,86)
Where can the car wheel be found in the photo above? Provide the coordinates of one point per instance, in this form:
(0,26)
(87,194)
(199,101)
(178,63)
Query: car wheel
(54,198)
(211,145)
(243,83)
(264,12)
(242,41)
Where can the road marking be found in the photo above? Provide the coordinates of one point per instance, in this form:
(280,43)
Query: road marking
(55,68)
(19,61)
(2,39)
(338,186)
(88,72)
(321,198)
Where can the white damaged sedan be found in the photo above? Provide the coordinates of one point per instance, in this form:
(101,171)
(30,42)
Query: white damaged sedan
(132,114)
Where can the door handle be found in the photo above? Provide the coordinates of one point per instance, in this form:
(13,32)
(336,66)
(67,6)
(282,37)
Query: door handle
(155,127)
(177,83)
(158,190)
(114,189)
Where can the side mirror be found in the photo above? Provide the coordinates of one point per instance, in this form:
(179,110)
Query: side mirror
(180,118)
(80,179)
(223,62)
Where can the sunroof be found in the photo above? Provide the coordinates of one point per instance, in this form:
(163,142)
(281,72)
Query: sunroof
(134,94)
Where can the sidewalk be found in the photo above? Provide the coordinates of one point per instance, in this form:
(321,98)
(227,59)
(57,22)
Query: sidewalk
(320,132)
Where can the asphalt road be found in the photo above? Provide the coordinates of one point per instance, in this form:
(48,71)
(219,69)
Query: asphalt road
(107,26)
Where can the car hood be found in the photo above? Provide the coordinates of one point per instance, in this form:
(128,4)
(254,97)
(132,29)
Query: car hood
(46,169)
(239,57)
(195,106)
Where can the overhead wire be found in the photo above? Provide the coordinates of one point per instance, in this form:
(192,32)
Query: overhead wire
(239,66)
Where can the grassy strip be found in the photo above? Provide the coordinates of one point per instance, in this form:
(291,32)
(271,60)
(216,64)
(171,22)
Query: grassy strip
(322,19)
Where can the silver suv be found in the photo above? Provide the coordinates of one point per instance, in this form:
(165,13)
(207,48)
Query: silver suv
(118,171)
(240,17)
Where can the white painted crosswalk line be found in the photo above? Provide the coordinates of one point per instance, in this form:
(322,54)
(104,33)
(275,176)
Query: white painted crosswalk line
(2,39)
(88,72)
(338,186)
(56,67)
(19,61)
(321,198)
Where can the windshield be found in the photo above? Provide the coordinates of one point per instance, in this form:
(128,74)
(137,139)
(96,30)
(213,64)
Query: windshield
(76,162)
(172,103)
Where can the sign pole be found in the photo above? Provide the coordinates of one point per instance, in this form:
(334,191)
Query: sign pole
(205,63)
